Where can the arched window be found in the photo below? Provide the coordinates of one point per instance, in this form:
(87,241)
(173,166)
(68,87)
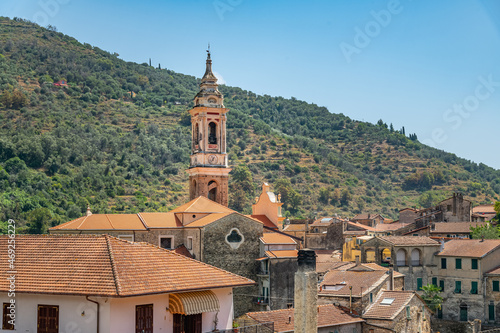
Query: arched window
(415,257)
(212,190)
(212,134)
(196,134)
(401,257)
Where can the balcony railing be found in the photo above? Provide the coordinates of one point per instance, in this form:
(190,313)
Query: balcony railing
(261,300)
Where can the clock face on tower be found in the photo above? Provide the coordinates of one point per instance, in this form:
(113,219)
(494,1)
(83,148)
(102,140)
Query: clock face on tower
(212,159)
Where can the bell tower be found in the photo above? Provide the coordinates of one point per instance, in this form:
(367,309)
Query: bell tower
(208,170)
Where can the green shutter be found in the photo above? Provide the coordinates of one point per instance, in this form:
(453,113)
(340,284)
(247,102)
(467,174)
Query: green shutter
(441,285)
(458,287)
(458,263)
(419,283)
(473,287)
(443,263)
(474,263)
(491,312)
(435,281)
(496,285)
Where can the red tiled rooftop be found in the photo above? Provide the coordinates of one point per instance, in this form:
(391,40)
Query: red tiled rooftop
(275,238)
(277,254)
(381,311)
(264,219)
(101,265)
(474,248)
(202,205)
(103,222)
(409,240)
(328,315)
(454,227)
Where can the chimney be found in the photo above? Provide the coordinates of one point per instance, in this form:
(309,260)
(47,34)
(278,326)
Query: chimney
(442,245)
(88,211)
(391,278)
(357,261)
(306,293)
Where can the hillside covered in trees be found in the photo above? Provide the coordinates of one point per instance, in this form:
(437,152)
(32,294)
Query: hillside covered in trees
(117,137)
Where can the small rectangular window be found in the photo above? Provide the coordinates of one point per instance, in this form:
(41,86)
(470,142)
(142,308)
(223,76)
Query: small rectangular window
(441,285)
(458,263)
(491,311)
(496,285)
(435,281)
(473,287)
(166,242)
(371,298)
(48,318)
(189,243)
(419,283)
(458,287)
(443,263)
(6,321)
(474,264)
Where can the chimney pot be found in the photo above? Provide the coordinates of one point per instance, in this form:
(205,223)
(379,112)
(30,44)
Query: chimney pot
(306,260)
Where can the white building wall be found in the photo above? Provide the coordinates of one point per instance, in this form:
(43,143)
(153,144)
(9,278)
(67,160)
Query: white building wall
(76,314)
(117,315)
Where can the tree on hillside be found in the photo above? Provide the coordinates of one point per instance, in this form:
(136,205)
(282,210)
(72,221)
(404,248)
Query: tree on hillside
(431,296)
(486,231)
(497,209)
(289,196)
(242,188)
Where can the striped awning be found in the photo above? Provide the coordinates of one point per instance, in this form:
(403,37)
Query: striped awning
(193,302)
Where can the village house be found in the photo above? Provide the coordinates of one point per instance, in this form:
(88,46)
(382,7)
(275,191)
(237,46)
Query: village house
(397,311)
(467,271)
(412,256)
(483,213)
(278,264)
(367,219)
(99,283)
(211,232)
(356,285)
(330,319)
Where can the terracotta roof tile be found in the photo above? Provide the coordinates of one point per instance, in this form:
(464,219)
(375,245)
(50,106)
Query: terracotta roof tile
(282,254)
(101,265)
(361,226)
(337,282)
(380,311)
(103,222)
(275,238)
(390,226)
(328,315)
(486,209)
(474,248)
(206,220)
(160,220)
(264,219)
(409,240)
(454,227)
(202,205)
(295,227)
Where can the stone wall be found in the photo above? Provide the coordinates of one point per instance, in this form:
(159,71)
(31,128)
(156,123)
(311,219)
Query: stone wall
(451,326)
(282,272)
(239,259)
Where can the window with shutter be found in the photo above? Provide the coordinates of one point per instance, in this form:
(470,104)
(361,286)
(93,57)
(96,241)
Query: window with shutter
(48,319)
(144,318)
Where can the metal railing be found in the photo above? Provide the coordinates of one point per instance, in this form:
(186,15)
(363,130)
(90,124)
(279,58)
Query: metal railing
(261,300)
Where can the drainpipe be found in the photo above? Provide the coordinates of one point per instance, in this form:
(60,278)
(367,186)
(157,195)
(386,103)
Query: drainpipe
(87,298)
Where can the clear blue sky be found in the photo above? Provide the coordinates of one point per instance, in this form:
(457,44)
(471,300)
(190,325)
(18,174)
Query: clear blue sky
(430,66)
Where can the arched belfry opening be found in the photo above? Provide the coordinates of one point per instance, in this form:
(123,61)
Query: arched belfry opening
(209,170)
(212,136)
(212,190)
